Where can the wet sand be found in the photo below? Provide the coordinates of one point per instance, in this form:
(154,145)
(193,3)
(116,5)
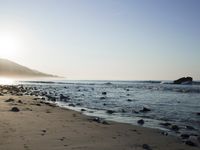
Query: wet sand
(40,126)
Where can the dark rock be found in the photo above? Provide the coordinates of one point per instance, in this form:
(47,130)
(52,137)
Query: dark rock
(71,105)
(129,100)
(44,131)
(9,100)
(96,119)
(198,139)
(123,111)
(108,83)
(19,101)
(78,104)
(190,143)
(110,111)
(141,121)
(83,109)
(104,93)
(198,113)
(185,136)
(15,109)
(146,147)
(164,133)
(175,127)
(190,128)
(50,98)
(134,111)
(145,109)
(184,80)
(105,122)
(165,124)
(64,98)
(102,98)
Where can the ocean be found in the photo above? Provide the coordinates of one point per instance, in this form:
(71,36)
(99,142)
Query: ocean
(128,101)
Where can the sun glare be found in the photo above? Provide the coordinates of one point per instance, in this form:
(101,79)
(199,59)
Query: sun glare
(9,45)
(6,81)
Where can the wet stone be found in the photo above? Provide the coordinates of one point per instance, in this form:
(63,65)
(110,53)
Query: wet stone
(15,109)
(9,100)
(175,127)
(141,121)
(185,136)
(190,143)
(146,147)
(110,111)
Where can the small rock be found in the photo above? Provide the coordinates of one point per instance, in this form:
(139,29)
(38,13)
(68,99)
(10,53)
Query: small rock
(145,109)
(110,111)
(83,109)
(123,111)
(198,113)
(19,101)
(15,109)
(146,147)
(105,122)
(102,98)
(65,98)
(185,136)
(44,131)
(129,100)
(71,105)
(104,93)
(10,100)
(175,127)
(165,124)
(141,121)
(164,133)
(198,139)
(96,119)
(38,104)
(134,111)
(190,127)
(190,143)
(78,104)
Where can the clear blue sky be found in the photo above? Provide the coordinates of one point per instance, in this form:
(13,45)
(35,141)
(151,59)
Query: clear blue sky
(104,39)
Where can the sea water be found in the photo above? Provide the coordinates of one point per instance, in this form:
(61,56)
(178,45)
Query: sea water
(175,104)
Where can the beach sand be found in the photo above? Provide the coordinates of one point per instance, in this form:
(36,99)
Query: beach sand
(39,126)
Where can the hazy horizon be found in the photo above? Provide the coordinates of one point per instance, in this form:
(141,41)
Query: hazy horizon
(103,40)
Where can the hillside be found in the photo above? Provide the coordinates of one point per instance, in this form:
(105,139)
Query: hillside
(12,69)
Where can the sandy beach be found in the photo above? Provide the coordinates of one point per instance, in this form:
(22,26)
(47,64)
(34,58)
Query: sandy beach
(26,122)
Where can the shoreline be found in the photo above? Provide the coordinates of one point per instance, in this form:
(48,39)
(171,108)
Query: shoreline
(41,125)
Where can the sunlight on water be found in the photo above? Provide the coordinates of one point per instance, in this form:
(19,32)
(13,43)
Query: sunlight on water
(6,81)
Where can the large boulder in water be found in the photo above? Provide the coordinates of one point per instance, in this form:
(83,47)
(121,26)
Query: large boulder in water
(184,80)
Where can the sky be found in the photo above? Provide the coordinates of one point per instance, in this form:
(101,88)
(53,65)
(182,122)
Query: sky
(103,39)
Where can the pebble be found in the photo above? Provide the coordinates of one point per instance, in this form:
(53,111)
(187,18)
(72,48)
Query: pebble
(110,111)
(141,121)
(175,127)
(104,93)
(15,109)
(190,143)
(146,147)
(145,109)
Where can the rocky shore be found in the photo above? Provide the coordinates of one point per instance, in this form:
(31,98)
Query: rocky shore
(31,121)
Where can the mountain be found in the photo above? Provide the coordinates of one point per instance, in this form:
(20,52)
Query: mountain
(12,69)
